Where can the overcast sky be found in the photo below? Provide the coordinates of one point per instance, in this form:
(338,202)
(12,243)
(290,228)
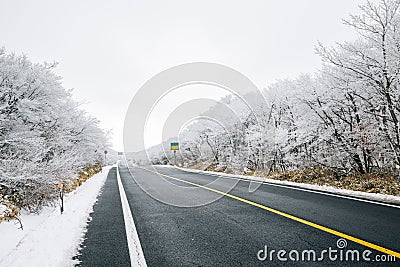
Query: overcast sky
(107,49)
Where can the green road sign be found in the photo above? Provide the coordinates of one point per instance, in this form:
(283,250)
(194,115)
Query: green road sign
(175,146)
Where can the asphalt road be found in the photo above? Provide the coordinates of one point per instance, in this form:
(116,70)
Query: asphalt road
(182,224)
(105,242)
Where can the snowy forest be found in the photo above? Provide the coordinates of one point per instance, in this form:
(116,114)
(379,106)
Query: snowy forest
(45,138)
(343,119)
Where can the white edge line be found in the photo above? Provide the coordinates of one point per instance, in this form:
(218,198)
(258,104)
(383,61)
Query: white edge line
(290,187)
(135,248)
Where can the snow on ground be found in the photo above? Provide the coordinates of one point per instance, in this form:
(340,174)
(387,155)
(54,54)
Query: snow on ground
(51,238)
(3,208)
(321,188)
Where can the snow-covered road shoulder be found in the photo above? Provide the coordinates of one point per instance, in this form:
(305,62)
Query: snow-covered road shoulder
(51,238)
(389,200)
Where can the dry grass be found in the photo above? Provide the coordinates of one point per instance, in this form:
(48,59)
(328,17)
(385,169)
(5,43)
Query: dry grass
(11,212)
(73,184)
(376,182)
(200,166)
(383,183)
(43,195)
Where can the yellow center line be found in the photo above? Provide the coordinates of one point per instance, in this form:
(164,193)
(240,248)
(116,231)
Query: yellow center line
(292,217)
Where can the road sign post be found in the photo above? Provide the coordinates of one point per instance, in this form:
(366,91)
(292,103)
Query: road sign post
(60,186)
(175,147)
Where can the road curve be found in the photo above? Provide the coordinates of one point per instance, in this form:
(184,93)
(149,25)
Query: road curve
(229,232)
(192,219)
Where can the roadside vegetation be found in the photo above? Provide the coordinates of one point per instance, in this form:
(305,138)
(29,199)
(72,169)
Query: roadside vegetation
(338,126)
(45,138)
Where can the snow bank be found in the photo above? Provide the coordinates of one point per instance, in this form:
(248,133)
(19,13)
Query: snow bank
(51,238)
(389,199)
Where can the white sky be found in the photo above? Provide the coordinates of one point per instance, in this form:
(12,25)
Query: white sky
(163,108)
(108,49)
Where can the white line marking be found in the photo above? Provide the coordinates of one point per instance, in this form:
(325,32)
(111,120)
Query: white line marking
(292,187)
(135,249)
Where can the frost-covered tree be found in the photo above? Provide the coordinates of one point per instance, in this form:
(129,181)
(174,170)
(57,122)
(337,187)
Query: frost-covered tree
(344,117)
(364,76)
(44,137)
